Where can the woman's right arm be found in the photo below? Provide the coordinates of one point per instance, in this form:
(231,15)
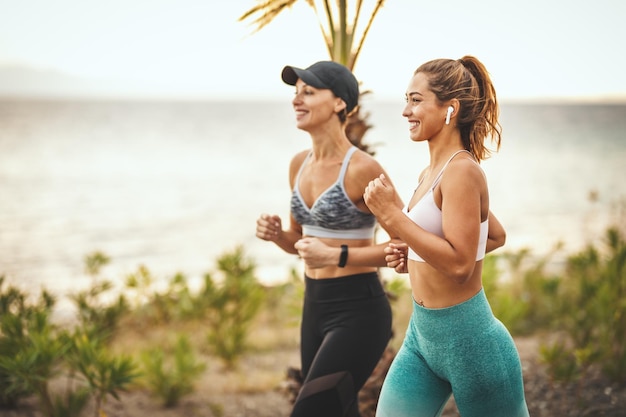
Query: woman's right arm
(270,228)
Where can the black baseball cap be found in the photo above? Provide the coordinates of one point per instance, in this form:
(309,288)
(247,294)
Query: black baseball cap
(327,74)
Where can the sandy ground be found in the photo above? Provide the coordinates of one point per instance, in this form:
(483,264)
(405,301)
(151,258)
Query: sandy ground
(258,389)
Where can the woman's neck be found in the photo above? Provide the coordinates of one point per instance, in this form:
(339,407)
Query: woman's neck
(330,145)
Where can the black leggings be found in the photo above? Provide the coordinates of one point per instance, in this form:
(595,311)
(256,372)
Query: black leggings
(346,325)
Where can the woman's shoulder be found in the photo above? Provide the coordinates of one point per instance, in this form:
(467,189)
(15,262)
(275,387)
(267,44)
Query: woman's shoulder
(464,164)
(362,159)
(299,157)
(296,163)
(463,170)
(364,166)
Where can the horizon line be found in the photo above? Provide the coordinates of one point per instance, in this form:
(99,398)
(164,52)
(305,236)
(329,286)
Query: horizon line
(160,97)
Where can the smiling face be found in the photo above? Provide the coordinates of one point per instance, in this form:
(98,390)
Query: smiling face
(315,106)
(425,114)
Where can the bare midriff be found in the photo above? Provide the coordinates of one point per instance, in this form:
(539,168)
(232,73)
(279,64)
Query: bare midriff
(431,289)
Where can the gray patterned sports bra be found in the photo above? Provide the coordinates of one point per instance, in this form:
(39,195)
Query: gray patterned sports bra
(333,214)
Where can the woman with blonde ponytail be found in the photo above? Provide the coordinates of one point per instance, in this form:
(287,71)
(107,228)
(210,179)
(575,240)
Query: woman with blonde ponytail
(453,344)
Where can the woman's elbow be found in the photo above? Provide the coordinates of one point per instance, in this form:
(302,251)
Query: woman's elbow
(496,236)
(461,272)
(496,241)
(501,238)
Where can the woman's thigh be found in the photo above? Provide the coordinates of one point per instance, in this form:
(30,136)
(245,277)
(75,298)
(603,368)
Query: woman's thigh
(411,389)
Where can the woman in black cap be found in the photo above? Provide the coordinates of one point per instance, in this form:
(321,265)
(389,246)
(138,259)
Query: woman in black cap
(346,321)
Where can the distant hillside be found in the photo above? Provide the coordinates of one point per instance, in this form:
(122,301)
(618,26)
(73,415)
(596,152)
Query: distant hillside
(24,82)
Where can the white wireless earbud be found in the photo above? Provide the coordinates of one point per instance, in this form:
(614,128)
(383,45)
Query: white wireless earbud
(448,114)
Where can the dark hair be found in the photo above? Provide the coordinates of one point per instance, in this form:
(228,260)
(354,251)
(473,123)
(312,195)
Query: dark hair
(468,81)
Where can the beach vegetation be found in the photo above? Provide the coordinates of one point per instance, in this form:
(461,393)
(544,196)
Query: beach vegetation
(98,318)
(164,340)
(522,289)
(232,305)
(172,377)
(579,309)
(34,351)
(226,304)
(592,314)
(27,360)
(99,372)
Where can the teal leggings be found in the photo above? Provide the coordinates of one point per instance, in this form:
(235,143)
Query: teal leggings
(463,350)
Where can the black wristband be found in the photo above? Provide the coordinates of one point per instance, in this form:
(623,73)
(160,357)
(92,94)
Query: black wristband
(343,258)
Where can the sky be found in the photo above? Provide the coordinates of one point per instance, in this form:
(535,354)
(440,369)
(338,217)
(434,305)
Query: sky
(533,49)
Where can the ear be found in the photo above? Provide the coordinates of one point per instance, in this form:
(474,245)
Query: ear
(340,105)
(452,110)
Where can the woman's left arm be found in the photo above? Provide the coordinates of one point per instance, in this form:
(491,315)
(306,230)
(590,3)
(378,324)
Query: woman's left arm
(317,254)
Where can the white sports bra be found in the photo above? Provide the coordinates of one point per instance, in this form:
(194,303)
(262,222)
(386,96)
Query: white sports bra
(427,215)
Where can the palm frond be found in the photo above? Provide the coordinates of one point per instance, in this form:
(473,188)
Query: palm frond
(357,51)
(339,34)
(268,10)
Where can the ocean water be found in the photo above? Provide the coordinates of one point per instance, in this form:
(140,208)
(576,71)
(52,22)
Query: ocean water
(173,185)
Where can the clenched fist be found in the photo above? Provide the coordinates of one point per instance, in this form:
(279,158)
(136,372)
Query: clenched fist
(269,227)
(379,195)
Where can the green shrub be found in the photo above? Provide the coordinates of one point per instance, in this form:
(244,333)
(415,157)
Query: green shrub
(23,325)
(283,301)
(176,303)
(144,301)
(104,373)
(172,379)
(34,351)
(94,263)
(231,305)
(561,361)
(35,359)
(593,311)
(525,301)
(98,319)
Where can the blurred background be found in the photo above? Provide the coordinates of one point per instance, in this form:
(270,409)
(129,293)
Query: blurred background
(157,131)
